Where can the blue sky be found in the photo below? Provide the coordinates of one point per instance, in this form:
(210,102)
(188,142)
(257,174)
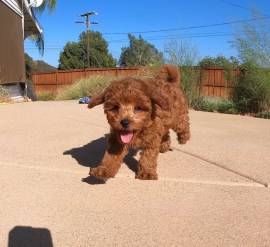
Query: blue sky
(138,16)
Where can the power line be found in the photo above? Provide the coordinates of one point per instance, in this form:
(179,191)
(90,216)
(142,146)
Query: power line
(182,37)
(147,37)
(198,35)
(186,34)
(239,6)
(185,28)
(189,27)
(235,5)
(208,34)
(165,37)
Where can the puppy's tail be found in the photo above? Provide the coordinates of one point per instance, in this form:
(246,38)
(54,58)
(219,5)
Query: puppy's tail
(170,73)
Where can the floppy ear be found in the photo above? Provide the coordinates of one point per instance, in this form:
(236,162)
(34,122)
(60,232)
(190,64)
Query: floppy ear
(97,100)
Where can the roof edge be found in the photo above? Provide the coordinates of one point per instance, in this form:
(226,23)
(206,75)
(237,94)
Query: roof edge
(28,10)
(13,5)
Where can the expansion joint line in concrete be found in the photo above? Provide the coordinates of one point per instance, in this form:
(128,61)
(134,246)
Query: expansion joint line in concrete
(258,181)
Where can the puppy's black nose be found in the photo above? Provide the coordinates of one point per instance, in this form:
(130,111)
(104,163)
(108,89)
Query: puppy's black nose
(124,123)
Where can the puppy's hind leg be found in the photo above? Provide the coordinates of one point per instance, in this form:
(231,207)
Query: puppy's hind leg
(165,143)
(182,129)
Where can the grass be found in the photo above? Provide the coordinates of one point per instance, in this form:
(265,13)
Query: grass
(85,87)
(46,96)
(93,85)
(96,84)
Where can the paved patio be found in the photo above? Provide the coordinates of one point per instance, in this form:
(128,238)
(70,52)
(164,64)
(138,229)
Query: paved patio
(212,191)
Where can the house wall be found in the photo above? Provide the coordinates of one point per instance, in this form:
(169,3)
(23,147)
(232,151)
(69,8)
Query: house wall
(12,68)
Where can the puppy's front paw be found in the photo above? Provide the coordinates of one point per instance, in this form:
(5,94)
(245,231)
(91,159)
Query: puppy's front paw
(146,175)
(164,148)
(183,138)
(101,172)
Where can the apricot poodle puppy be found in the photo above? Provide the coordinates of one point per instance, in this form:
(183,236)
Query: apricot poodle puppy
(140,113)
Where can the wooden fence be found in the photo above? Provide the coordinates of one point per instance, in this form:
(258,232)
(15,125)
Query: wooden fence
(55,81)
(217,82)
(211,81)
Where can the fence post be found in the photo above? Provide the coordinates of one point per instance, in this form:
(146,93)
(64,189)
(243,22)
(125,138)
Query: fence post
(56,80)
(200,82)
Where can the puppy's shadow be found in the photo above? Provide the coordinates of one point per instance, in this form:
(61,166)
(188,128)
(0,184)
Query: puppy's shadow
(91,154)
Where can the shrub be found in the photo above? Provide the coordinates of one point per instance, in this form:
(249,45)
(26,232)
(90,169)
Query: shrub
(31,90)
(85,87)
(263,115)
(211,104)
(232,111)
(94,85)
(3,94)
(46,96)
(204,104)
(226,106)
(185,55)
(190,83)
(252,91)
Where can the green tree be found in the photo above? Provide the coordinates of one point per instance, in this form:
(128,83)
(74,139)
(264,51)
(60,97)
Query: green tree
(140,53)
(181,53)
(47,4)
(32,65)
(74,54)
(185,55)
(38,39)
(28,65)
(252,41)
(252,90)
(219,62)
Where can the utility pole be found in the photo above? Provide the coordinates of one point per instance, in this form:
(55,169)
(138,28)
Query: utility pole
(87,23)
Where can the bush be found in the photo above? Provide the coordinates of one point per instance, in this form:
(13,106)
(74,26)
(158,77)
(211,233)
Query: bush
(85,87)
(232,111)
(252,91)
(204,104)
(31,90)
(226,106)
(190,82)
(263,115)
(46,96)
(94,85)
(3,94)
(211,104)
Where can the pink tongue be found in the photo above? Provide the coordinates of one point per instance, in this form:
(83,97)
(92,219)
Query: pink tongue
(126,137)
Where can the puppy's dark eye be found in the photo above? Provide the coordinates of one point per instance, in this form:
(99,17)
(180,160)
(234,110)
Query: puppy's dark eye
(138,109)
(115,108)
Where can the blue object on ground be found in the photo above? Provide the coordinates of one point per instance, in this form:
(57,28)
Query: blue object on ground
(84,100)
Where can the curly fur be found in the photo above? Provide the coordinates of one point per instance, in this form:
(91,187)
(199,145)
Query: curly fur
(151,107)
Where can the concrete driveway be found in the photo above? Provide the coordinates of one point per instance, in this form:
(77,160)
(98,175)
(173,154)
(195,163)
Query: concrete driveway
(211,192)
